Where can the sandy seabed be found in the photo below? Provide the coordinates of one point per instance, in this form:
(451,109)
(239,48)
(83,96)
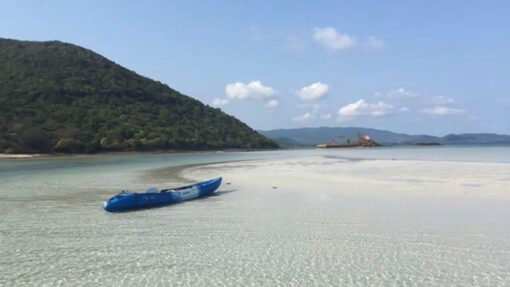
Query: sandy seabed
(330,221)
(305,221)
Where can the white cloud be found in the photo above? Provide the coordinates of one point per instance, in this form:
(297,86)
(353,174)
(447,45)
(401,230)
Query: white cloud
(271,104)
(331,39)
(304,118)
(364,109)
(400,94)
(374,43)
(443,111)
(252,90)
(441,105)
(313,92)
(220,102)
(403,94)
(441,100)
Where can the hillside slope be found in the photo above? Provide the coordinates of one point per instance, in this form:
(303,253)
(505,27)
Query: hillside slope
(60,97)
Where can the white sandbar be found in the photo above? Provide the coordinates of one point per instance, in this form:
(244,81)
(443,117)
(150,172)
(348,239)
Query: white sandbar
(332,221)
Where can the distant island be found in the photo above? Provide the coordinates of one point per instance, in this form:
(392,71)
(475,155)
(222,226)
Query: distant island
(308,137)
(362,141)
(427,143)
(59,97)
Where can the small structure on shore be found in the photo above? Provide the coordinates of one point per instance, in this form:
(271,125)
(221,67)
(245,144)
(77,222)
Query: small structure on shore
(363,141)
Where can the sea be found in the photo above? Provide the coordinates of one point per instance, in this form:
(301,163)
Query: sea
(54,232)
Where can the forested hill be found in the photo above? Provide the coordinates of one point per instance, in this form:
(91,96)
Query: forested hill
(58,97)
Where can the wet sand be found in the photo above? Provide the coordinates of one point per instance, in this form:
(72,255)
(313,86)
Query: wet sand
(323,175)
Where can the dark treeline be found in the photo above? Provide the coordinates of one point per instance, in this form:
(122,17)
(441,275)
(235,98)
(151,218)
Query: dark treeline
(57,97)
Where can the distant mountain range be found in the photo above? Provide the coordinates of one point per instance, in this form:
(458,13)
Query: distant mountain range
(312,136)
(59,97)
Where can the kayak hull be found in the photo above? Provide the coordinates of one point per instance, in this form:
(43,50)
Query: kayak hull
(131,200)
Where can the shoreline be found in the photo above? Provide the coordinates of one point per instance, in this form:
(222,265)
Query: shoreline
(12,156)
(121,153)
(483,154)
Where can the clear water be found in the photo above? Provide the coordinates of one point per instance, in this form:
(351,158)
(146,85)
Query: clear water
(54,232)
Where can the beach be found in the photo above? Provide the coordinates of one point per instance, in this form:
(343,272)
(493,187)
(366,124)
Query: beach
(293,218)
(254,143)
(5,155)
(333,221)
(324,175)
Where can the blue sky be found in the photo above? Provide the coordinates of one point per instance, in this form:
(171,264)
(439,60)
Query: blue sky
(432,67)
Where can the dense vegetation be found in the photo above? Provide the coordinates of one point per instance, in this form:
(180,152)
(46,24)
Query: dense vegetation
(60,97)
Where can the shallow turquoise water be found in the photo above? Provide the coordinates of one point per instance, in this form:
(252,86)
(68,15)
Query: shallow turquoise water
(54,232)
(67,174)
(86,176)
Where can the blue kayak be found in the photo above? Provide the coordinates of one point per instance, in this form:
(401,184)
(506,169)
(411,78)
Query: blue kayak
(154,197)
